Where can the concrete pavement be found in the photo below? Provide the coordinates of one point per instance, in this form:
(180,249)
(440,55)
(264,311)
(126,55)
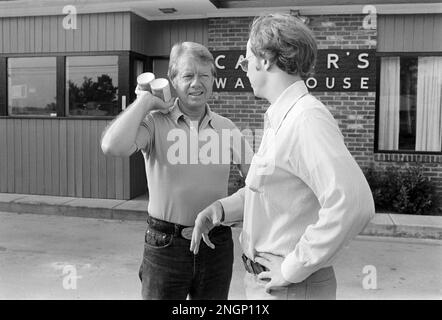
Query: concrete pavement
(383,224)
(43,236)
(39,254)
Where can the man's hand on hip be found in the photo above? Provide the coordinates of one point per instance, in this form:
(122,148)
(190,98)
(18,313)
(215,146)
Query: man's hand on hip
(273,264)
(206,220)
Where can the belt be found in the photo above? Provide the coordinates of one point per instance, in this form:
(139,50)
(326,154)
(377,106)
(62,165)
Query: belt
(175,229)
(251,266)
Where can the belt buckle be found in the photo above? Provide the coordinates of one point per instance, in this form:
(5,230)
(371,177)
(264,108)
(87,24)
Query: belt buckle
(186,233)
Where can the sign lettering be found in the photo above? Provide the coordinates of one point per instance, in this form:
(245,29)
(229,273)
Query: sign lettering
(336,70)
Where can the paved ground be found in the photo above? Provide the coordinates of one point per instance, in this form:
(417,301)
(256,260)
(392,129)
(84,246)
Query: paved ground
(35,250)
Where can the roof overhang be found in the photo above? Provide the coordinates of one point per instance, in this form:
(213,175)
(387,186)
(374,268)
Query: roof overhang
(200,9)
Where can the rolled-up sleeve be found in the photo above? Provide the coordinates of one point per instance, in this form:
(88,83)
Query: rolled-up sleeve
(321,159)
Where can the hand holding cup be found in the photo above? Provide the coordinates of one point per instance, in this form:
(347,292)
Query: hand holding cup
(155,91)
(144,80)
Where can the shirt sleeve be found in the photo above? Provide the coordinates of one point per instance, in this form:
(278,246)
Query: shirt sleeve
(233,206)
(321,159)
(146,134)
(242,152)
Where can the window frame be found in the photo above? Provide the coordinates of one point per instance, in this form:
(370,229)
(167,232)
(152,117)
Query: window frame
(5,86)
(380,55)
(124,64)
(148,67)
(66,106)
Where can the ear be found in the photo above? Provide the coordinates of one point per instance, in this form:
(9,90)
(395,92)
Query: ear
(172,81)
(266,64)
(263,64)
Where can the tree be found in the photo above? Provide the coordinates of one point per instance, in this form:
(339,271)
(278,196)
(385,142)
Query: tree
(101,91)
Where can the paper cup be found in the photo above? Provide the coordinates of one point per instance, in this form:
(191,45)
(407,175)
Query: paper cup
(160,88)
(144,80)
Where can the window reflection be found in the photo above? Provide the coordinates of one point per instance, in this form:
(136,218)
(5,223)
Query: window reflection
(407,113)
(32,86)
(92,86)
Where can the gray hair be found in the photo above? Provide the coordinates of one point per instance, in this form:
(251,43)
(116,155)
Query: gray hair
(285,40)
(193,49)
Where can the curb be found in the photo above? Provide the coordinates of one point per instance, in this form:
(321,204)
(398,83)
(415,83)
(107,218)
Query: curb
(383,224)
(71,211)
(400,231)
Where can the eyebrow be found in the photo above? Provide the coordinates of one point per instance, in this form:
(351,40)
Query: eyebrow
(188,72)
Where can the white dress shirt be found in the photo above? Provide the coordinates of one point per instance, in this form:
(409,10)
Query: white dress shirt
(305,195)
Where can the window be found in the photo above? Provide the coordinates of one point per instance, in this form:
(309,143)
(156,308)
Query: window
(62,85)
(410,104)
(138,68)
(92,86)
(32,88)
(160,68)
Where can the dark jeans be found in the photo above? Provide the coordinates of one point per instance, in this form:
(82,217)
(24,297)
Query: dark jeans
(171,271)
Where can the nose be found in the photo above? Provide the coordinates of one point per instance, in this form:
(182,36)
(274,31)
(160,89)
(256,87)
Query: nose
(196,81)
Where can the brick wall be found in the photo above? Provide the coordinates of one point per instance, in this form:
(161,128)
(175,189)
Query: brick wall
(354,111)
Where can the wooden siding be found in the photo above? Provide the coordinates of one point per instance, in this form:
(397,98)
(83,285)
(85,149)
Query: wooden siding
(63,158)
(118,31)
(156,38)
(409,33)
(45,34)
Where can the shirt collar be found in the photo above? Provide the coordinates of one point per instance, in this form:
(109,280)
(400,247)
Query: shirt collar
(176,114)
(279,109)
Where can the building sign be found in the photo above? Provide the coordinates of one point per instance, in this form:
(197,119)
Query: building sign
(335,70)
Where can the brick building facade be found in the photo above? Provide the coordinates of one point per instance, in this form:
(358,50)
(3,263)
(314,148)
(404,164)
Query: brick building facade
(355,112)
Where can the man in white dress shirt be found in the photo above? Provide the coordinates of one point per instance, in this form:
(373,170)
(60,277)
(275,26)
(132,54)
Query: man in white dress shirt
(305,196)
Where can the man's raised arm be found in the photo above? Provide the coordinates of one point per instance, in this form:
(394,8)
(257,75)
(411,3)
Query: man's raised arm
(124,135)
